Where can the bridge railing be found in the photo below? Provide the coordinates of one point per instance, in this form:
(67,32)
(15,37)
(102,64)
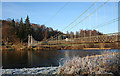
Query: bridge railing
(113,37)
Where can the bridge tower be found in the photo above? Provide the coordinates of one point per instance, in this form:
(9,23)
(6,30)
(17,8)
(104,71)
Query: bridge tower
(30,40)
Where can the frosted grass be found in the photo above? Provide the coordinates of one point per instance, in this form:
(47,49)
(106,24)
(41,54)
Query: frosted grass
(97,64)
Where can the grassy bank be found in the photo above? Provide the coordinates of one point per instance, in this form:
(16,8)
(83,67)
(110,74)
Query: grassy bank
(65,46)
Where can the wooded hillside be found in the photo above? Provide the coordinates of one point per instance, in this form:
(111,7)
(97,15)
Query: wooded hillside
(18,31)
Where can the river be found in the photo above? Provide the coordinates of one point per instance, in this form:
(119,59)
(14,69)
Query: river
(29,59)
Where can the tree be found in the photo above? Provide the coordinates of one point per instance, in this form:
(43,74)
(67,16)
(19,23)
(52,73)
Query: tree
(17,28)
(71,34)
(89,33)
(27,27)
(51,29)
(13,23)
(77,34)
(45,35)
(68,35)
(8,33)
(43,27)
(82,33)
(21,30)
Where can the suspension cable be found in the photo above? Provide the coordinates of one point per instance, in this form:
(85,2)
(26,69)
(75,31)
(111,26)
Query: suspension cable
(78,17)
(89,15)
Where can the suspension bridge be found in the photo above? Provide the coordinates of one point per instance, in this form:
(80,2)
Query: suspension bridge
(105,38)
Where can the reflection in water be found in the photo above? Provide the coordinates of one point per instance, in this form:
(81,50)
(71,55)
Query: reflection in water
(14,59)
(21,59)
(67,54)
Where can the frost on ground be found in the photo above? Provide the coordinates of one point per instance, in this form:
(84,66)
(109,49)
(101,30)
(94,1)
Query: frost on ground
(41,70)
(97,64)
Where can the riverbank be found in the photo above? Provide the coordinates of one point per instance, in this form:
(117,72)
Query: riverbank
(65,46)
(96,48)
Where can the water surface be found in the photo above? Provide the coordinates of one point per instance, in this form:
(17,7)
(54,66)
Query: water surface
(29,59)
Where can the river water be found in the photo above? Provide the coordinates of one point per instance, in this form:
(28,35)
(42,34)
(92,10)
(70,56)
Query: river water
(29,59)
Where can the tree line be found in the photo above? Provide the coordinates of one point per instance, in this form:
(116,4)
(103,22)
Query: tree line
(21,30)
(83,33)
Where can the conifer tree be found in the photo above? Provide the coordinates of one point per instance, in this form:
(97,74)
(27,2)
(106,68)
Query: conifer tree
(13,23)
(13,26)
(27,27)
(21,30)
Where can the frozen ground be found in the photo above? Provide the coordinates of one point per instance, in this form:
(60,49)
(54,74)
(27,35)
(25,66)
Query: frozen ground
(41,70)
(96,64)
